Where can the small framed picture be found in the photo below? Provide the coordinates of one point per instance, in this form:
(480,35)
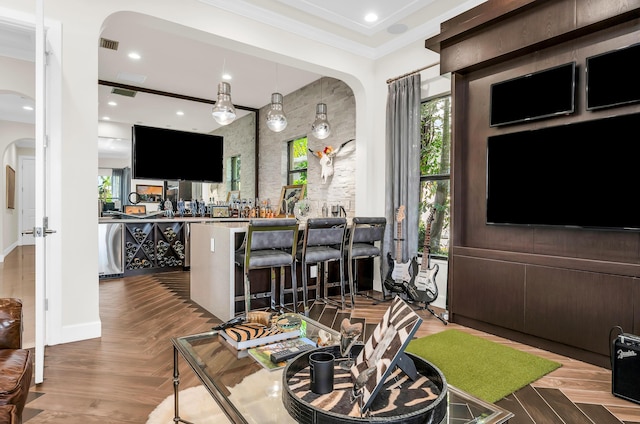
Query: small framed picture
(289,196)
(11,188)
(149,193)
(233,195)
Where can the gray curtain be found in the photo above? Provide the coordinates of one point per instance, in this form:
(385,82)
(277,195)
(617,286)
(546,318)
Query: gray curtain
(121,184)
(403,164)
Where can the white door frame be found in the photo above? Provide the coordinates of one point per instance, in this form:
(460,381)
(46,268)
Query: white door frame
(23,239)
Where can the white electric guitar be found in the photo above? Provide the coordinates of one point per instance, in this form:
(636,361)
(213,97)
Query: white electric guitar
(426,279)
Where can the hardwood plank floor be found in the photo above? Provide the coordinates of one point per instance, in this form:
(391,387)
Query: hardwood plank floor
(122,376)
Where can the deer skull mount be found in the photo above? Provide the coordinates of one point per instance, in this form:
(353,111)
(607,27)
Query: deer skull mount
(326,159)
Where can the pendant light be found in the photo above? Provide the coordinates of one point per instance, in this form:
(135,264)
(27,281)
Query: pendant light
(320,127)
(276,119)
(223,111)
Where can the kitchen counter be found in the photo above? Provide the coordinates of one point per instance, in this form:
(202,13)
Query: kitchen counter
(165,219)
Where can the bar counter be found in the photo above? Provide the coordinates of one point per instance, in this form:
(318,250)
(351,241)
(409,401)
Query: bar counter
(216,280)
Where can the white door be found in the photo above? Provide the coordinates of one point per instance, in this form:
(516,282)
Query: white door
(40,173)
(27,199)
(44,87)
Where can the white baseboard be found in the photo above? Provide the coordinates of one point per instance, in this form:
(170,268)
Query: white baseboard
(79,332)
(8,250)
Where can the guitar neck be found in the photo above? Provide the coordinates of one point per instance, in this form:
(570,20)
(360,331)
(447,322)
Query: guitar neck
(399,242)
(426,249)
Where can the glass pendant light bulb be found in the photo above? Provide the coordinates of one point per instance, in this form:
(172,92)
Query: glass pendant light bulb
(276,120)
(223,111)
(320,127)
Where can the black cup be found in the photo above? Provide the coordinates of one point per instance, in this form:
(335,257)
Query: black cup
(321,372)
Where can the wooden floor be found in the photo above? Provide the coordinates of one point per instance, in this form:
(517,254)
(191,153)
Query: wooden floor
(122,376)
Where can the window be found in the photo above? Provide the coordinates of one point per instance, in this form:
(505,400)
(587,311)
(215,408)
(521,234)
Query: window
(435,191)
(105,188)
(235,167)
(297,160)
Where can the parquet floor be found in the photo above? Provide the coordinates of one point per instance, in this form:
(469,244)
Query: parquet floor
(122,376)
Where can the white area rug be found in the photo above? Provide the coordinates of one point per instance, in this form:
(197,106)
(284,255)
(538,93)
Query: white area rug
(257,395)
(196,406)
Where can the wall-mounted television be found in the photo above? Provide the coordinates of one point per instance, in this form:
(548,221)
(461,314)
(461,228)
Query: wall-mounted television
(607,83)
(583,174)
(542,94)
(165,154)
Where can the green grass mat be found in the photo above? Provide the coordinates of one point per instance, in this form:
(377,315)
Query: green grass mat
(487,370)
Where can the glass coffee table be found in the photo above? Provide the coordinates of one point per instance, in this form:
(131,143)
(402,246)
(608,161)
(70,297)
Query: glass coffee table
(249,393)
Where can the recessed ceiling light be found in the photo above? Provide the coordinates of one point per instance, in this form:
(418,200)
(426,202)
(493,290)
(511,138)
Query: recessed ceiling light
(106,118)
(134,55)
(226,77)
(27,107)
(371,17)
(112,103)
(180,113)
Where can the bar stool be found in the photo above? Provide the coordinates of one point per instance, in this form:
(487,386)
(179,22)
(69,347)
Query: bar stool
(269,243)
(322,242)
(361,241)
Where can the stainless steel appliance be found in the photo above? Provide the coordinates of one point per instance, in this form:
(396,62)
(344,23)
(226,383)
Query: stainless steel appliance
(110,249)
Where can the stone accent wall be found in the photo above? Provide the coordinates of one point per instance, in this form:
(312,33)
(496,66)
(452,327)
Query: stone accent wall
(239,139)
(300,109)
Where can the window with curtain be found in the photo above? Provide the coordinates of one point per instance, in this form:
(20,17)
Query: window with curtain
(435,190)
(116,183)
(297,160)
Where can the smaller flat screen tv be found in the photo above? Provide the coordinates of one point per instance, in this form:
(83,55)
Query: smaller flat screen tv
(542,94)
(609,81)
(584,175)
(165,154)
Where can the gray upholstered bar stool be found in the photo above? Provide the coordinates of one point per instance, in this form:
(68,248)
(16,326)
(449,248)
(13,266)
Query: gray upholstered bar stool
(269,243)
(361,241)
(322,242)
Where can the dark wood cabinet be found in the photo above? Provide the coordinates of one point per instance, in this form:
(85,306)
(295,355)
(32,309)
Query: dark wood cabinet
(561,289)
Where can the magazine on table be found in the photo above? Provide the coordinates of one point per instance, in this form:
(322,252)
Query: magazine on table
(262,354)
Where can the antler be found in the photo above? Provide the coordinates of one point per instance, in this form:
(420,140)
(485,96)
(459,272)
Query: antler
(335,152)
(329,151)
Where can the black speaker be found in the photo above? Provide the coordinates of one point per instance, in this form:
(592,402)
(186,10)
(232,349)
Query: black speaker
(625,367)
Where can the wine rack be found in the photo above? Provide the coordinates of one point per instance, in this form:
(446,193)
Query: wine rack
(154,247)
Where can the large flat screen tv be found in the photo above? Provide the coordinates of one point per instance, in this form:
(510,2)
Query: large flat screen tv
(583,174)
(542,94)
(608,80)
(164,154)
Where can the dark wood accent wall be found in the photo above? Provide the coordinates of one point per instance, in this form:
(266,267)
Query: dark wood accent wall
(556,288)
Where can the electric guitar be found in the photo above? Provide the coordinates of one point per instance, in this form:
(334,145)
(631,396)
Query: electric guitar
(400,275)
(426,280)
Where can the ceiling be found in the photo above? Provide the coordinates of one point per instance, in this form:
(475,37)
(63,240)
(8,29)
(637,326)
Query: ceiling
(166,65)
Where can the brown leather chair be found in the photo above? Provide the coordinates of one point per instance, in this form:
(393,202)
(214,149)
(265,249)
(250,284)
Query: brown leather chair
(16,364)
(8,414)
